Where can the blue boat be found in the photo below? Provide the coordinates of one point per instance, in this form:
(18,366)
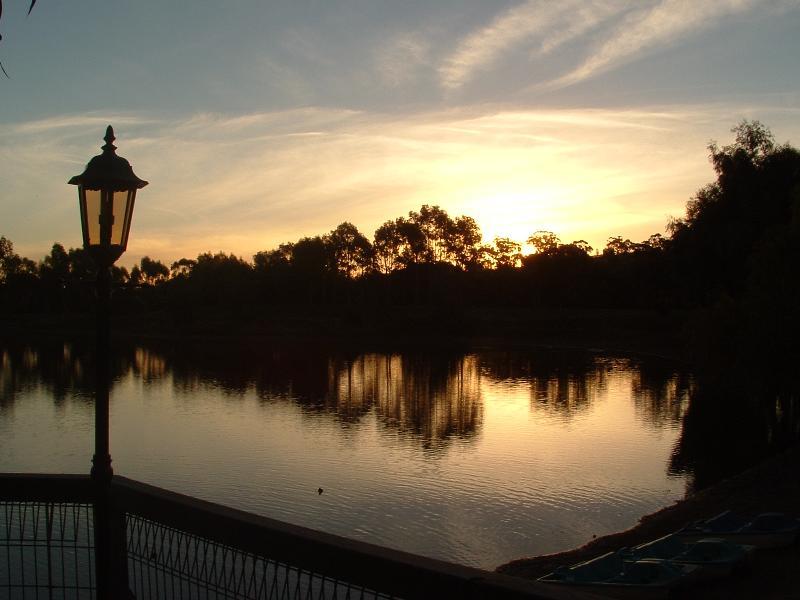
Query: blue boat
(767,530)
(717,557)
(616,574)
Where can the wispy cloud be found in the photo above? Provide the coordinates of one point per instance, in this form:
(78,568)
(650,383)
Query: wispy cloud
(398,60)
(550,24)
(649,28)
(83,121)
(610,33)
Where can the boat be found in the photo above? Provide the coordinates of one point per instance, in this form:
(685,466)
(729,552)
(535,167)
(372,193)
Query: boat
(717,557)
(618,575)
(767,530)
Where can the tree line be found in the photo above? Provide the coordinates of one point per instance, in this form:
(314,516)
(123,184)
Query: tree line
(735,251)
(407,254)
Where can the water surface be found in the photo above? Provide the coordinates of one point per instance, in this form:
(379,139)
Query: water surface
(472,456)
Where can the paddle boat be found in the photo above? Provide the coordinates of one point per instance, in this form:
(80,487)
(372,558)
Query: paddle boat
(767,530)
(616,574)
(717,557)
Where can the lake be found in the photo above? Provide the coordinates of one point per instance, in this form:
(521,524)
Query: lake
(475,456)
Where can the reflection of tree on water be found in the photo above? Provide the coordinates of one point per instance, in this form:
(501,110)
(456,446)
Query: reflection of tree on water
(432,397)
(661,393)
(566,383)
(723,434)
(429,398)
(63,368)
(561,382)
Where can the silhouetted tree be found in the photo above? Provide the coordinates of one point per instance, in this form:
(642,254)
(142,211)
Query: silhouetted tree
(544,242)
(398,244)
(182,267)
(506,253)
(222,280)
(736,253)
(437,229)
(351,252)
(464,246)
(152,271)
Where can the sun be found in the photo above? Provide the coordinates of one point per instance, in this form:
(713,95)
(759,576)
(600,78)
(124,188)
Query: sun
(515,214)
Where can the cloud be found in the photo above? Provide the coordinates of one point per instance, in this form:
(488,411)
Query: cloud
(244,183)
(83,121)
(649,28)
(398,61)
(551,23)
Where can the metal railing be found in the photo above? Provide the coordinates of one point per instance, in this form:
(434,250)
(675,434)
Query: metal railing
(169,545)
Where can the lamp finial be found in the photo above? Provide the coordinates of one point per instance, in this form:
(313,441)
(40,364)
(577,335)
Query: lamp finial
(109,140)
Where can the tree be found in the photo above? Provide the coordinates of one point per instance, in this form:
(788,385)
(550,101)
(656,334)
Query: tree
(753,198)
(273,260)
(12,264)
(616,246)
(398,244)
(181,267)
(506,253)
(222,280)
(153,271)
(583,246)
(56,264)
(464,243)
(436,227)
(544,242)
(6,257)
(754,142)
(736,253)
(352,253)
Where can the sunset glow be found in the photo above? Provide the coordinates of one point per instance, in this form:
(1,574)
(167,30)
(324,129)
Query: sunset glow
(480,115)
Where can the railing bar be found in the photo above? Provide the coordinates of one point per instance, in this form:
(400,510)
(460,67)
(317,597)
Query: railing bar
(35,544)
(252,585)
(7,519)
(89,543)
(321,594)
(23,515)
(171,537)
(150,582)
(161,583)
(264,584)
(240,575)
(62,554)
(49,516)
(274,584)
(74,517)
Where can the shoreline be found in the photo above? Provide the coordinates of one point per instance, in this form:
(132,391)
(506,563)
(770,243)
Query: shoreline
(632,332)
(771,486)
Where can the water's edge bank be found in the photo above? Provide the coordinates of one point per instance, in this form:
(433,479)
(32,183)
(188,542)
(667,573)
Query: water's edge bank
(630,332)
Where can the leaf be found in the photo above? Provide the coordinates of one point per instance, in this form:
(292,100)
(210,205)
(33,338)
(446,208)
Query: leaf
(30,8)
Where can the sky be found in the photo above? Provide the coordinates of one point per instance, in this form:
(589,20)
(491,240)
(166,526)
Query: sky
(260,122)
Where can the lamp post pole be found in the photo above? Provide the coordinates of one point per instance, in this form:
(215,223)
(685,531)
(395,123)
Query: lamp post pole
(101,461)
(106,193)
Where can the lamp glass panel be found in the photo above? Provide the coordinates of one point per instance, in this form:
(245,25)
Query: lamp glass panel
(120,211)
(92,216)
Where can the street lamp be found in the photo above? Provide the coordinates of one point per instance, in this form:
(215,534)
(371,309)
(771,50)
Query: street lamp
(106,192)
